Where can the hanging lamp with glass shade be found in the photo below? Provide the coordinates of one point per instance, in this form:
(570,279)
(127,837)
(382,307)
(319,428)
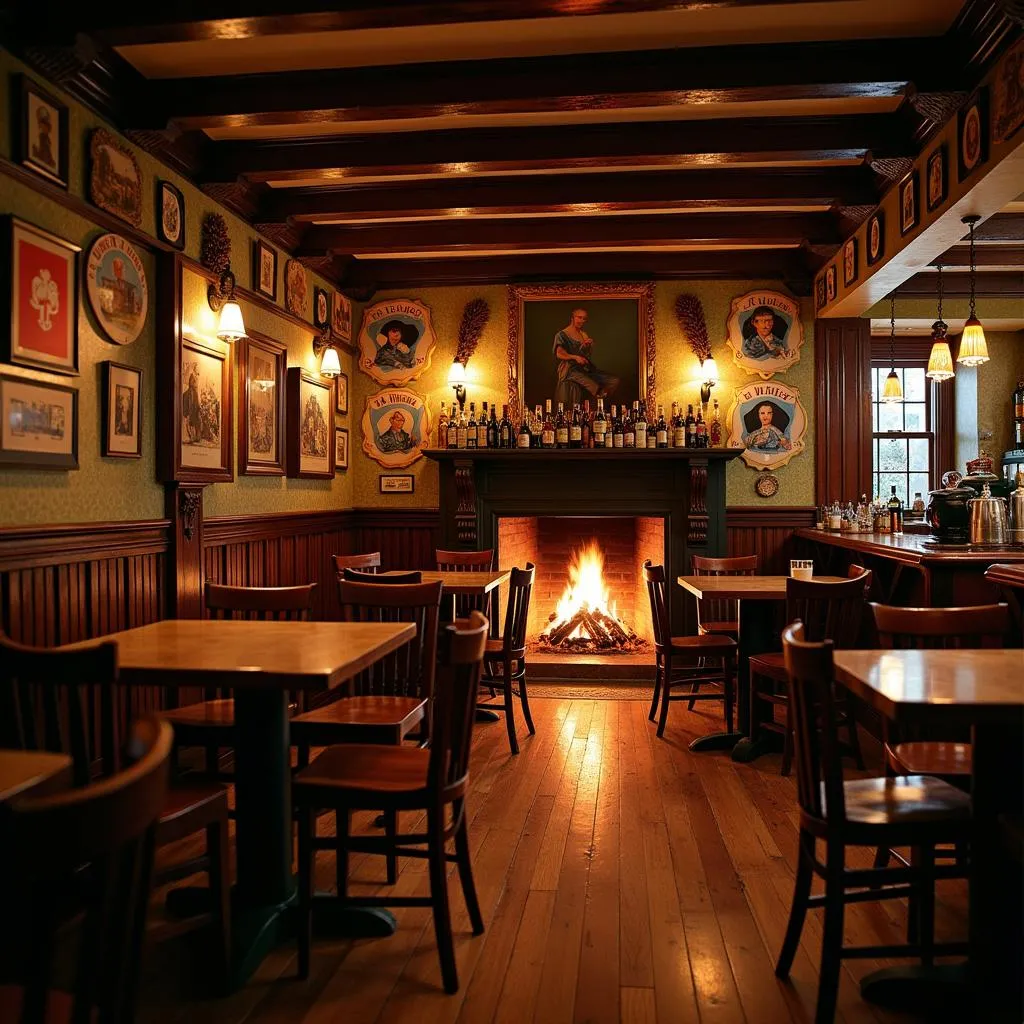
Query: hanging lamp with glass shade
(940,359)
(892,390)
(973,347)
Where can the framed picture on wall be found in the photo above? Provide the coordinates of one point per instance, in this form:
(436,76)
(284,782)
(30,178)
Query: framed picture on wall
(972,134)
(849,262)
(321,308)
(341,318)
(115,180)
(936,178)
(262,363)
(830,282)
(39,424)
(310,444)
(396,483)
(121,433)
(876,237)
(170,214)
(340,448)
(910,207)
(42,138)
(264,269)
(341,393)
(40,291)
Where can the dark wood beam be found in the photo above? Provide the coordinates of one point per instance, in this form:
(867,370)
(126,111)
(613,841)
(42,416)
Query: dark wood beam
(668,144)
(1000,227)
(1010,255)
(563,83)
(1005,284)
(458,233)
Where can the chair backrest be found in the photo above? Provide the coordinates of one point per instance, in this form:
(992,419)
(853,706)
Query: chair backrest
(654,577)
(455,706)
(828,611)
(358,576)
(369,562)
(464,561)
(283,604)
(985,625)
(721,609)
(103,836)
(517,611)
(816,746)
(63,702)
(409,670)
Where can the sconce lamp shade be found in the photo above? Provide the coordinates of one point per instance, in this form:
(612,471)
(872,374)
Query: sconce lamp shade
(330,365)
(940,361)
(456,374)
(710,369)
(973,347)
(892,390)
(231,326)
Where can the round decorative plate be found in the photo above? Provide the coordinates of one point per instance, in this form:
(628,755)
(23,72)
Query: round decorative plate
(766,485)
(116,283)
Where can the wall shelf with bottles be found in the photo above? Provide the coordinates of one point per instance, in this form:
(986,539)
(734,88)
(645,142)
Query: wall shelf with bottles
(580,454)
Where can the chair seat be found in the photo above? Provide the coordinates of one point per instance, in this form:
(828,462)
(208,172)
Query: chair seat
(360,719)
(727,627)
(190,807)
(931,758)
(494,645)
(769,665)
(207,713)
(705,643)
(358,772)
(904,800)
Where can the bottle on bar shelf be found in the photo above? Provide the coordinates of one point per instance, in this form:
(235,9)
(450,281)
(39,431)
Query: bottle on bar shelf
(661,431)
(609,434)
(524,439)
(628,428)
(492,428)
(586,425)
(548,430)
(452,440)
(895,508)
(561,428)
(575,428)
(481,428)
(641,425)
(702,429)
(600,426)
(462,431)
(691,428)
(537,428)
(617,435)
(471,436)
(442,428)
(678,426)
(1018,415)
(505,429)
(715,432)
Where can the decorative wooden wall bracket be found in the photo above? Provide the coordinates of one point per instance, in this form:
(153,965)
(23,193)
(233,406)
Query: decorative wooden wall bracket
(697,519)
(183,504)
(465,509)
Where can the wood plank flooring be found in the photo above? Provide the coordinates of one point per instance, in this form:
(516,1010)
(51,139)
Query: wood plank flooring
(622,878)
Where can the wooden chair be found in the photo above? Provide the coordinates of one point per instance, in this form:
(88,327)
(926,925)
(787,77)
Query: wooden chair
(102,835)
(404,778)
(505,658)
(368,563)
(468,561)
(681,659)
(392,697)
(715,614)
(64,702)
(916,811)
(828,611)
(210,724)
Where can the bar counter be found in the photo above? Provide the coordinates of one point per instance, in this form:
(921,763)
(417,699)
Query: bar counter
(910,569)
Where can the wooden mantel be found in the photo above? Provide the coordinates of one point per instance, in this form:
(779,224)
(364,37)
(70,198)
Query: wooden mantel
(684,486)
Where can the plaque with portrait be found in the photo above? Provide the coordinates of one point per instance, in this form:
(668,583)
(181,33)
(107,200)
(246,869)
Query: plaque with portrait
(396,341)
(396,428)
(768,422)
(764,332)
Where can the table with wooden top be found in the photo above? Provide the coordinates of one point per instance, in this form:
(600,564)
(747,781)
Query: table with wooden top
(953,689)
(261,662)
(757,596)
(32,773)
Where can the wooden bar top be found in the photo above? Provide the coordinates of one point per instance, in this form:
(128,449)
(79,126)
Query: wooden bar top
(32,772)
(237,654)
(915,549)
(744,588)
(471,583)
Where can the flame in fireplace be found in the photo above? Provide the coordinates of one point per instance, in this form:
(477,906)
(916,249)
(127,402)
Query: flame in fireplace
(586,590)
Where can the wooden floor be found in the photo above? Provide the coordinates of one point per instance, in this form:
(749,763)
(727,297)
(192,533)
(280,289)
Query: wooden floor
(622,878)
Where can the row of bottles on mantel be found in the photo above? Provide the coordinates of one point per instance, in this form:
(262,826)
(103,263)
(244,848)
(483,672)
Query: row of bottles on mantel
(875,516)
(620,427)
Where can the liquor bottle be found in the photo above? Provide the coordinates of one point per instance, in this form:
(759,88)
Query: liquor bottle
(1018,415)
(492,428)
(628,429)
(618,436)
(691,428)
(548,430)
(505,429)
(482,437)
(702,430)
(678,426)
(895,509)
(609,434)
(600,426)
(453,428)
(661,431)
(462,431)
(561,428)
(471,426)
(586,433)
(715,433)
(641,425)
(524,438)
(442,428)
(576,428)
(537,428)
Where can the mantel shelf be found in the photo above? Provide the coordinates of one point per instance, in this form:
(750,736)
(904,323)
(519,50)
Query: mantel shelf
(634,455)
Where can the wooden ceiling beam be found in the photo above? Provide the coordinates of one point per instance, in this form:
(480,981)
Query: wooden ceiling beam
(1011,255)
(1006,284)
(477,150)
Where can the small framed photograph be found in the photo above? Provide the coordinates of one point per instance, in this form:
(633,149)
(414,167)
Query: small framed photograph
(310,451)
(122,411)
(40,291)
(396,483)
(1008,96)
(321,308)
(830,283)
(340,448)
(341,393)
(972,134)
(819,292)
(42,139)
(910,211)
(849,262)
(40,424)
(341,317)
(264,269)
(936,178)
(876,237)
(170,214)
(262,363)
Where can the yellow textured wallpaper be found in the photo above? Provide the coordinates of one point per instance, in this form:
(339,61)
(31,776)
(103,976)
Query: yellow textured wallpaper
(677,374)
(996,380)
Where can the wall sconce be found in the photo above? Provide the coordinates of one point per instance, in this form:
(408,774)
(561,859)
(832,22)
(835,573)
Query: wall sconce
(330,365)
(221,297)
(457,381)
(710,370)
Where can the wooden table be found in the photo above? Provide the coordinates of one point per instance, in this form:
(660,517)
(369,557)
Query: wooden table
(32,772)
(260,662)
(471,584)
(954,689)
(757,635)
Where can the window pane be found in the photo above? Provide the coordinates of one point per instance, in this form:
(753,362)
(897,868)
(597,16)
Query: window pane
(919,482)
(890,416)
(919,453)
(889,480)
(892,454)
(874,417)
(916,417)
(913,384)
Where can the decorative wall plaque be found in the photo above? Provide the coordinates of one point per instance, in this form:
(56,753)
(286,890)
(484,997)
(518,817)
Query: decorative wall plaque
(396,428)
(118,292)
(396,341)
(768,422)
(115,181)
(764,332)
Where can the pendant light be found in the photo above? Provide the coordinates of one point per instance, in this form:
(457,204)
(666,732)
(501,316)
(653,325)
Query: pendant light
(973,347)
(892,390)
(940,360)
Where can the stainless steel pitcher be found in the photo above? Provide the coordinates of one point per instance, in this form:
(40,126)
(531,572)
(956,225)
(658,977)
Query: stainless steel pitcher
(987,518)
(1017,512)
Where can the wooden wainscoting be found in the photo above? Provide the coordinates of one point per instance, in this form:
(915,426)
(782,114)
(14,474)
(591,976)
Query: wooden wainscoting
(766,532)
(405,538)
